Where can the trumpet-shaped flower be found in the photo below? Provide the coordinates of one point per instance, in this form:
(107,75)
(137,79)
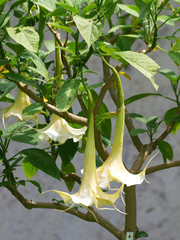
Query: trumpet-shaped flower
(113,168)
(59,130)
(90,192)
(16,109)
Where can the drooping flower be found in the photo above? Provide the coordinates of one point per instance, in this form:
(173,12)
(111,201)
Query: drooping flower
(59,130)
(90,193)
(113,168)
(16,109)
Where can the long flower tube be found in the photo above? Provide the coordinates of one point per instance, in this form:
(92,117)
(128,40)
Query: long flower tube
(113,168)
(90,193)
(16,109)
(59,130)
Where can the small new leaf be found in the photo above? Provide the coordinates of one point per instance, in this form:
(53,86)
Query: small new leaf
(166,150)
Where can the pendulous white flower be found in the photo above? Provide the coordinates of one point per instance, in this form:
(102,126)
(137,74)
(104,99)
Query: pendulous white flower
(90,192)
(113,168)
(16,109)
(59,130)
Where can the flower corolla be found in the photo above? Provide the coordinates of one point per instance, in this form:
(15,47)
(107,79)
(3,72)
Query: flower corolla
(59,130)
(90,193)
(113,168)
(22,101)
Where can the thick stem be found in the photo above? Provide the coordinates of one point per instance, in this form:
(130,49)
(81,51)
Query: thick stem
(130,218)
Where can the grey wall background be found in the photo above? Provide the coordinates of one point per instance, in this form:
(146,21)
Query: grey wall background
(158,202)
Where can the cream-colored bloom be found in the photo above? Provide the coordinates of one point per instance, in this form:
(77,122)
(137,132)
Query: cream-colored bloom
(59,130)
(90,192)
(16,109)
(113,168)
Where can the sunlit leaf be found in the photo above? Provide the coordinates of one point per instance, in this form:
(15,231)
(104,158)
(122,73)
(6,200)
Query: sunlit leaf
(25,36)
(131,9)
(89,29)
(29,169)
(49,5)
(141,62)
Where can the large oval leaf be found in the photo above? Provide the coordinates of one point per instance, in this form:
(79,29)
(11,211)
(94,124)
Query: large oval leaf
(89,29)
(41,160)
(141,62)
(25,36)
(67,95)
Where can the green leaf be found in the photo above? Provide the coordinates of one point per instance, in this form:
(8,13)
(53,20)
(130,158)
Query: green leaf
(12,128)
(41,160)
(131,9)
(152,124)
(138,131)
(41,68)
(113,29)
(124,43)
(3,184)
(138,117)
(25,36)
(4,62)
(107,115)
(68,150)
(169,74)
(5,87)
(49,5)
(176,46)
(69,7)
(67,94)
(18,132)
(165,149)
(106,141)
(108,48)
(175,56)
(141,62)
(58,12)
(36,184)
(172,115)
(145,17)
(29,169)
(76,4)
(143,95)
(90,29)
(2,1)
(8,98)
(88,9)
(163,18)
(98,161)
(32,109)
(68,168)
(67,29)
(18,78)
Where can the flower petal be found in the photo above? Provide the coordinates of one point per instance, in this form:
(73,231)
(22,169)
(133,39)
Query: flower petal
(59,130)
(90,193)
(113,168)
(16,109)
